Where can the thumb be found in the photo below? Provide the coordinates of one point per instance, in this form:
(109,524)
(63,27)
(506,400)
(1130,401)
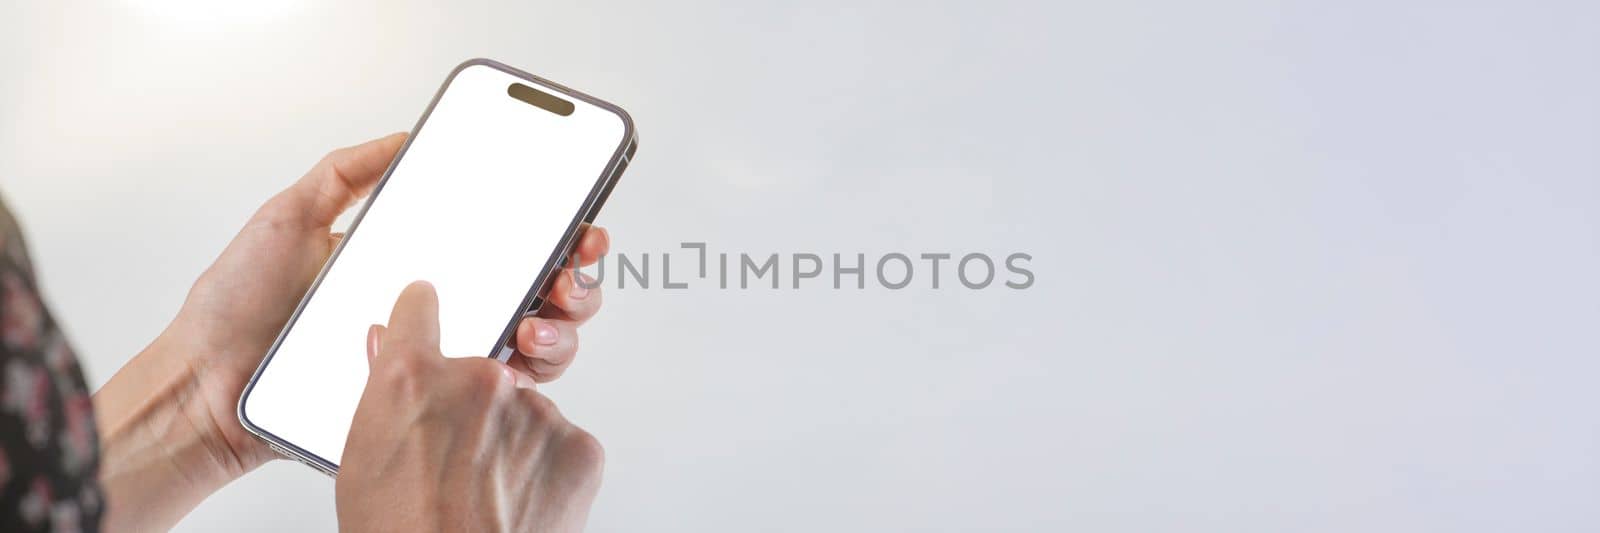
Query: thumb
(414,323)
(338,180)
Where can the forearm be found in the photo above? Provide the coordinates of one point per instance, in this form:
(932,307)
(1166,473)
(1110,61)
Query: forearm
(161,453)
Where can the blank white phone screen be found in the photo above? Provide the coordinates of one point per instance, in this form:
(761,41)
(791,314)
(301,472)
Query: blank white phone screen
(476,206)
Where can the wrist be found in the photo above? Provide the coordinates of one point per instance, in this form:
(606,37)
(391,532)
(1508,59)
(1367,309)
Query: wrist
(162,447)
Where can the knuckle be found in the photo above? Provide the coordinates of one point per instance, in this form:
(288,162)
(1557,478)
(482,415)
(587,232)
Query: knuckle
(484,374)
(409,364)
(404,374)
(541,409)
(469,385)
(274,217)
(334,155)
(583,449)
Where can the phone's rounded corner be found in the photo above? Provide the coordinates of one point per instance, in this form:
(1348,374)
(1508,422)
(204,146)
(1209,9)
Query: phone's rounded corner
(474,62)
(630,134)
(470,63)
(278,446)
(241,410)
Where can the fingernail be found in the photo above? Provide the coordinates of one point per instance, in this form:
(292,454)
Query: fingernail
(544,333)
(374,340)
(511,375)
(580,285)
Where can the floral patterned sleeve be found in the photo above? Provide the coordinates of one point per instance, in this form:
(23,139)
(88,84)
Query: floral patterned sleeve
(48,447)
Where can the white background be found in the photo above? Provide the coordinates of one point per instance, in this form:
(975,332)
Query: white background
(1311,266)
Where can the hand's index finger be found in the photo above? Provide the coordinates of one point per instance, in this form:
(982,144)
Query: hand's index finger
(414,322)
(595,242)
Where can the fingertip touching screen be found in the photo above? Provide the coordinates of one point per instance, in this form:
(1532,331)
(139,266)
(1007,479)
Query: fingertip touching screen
(477,204)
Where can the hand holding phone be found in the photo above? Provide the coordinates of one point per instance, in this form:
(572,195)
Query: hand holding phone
(445,444)
(186,381)
(489,193)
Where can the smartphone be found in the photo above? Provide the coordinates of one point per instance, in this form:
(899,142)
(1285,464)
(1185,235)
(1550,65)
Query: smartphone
(484,201)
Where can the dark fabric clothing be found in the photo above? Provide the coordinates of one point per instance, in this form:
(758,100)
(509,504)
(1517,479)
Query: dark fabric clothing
(49,452)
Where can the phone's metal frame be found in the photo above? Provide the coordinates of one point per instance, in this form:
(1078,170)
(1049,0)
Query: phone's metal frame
(591,207)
